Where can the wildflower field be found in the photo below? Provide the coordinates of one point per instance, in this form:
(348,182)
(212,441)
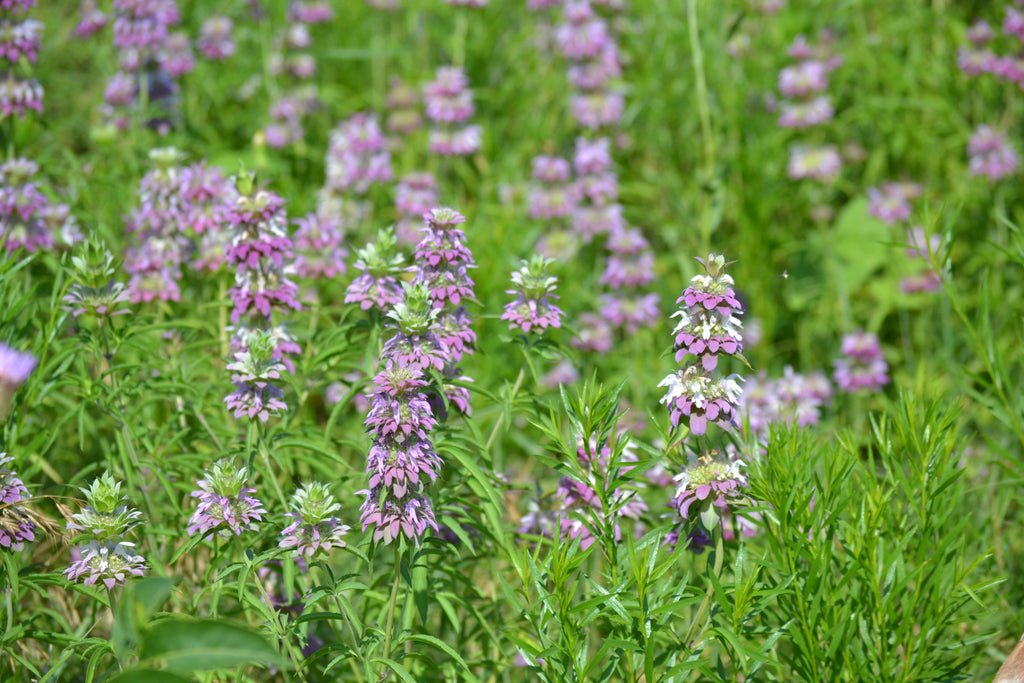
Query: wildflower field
(510,340)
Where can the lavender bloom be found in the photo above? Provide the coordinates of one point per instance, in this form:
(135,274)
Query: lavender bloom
(206,198)
(314,527)
(319,246)
(863,365)
(109,562)
(980,32)
(226,506)
(215,40)
(415,195)
(377,286)
(15,367)
(631,263)
(20,39)
(91,20)
(703,494)
(402,460)
(532,308)
(16,526)
(595,333)
(357,156)
(814,163)
(790,398)
(449,103)
(701,399)
(415,341)
(803,79)
(991,154)
(252,373)
(891,203)
(630,311)
(552,195)
(102,526)
(22,208)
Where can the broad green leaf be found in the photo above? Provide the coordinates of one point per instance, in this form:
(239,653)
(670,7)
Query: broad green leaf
(186,645)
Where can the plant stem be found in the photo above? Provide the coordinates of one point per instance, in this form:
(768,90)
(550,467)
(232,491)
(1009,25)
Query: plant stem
(391,605)
(501,418)
(706,603)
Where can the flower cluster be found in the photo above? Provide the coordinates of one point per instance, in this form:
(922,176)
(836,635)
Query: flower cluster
(629,269)
(862,365)
(442,263)
(416,340)
(103,553)
(226,505)
(708,327)
(28,219)
(16,526)
(154,260)
(403,104)
(402,461)
(981,57)
(313,528)
(15,367)
(292,63)
(415,195)
(320,251)
(892,204)
(803,86)
(597,210)
(253,372)
(357,155)
(215,38)
(532,308)
(377,285)
(449,104)
(702,498)
(991,154)
(261,253)
(552,194)
(790,398)
(20,40)
(585,40)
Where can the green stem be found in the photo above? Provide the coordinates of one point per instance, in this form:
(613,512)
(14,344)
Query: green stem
(704,114)
(706,603)
(391,606)
(501,417)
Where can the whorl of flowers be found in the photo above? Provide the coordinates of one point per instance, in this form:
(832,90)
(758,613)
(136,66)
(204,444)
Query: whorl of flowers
(104,555)
(806,104)
(793,397)
(226,505)
(991,154)
(16,526)
(314,528)
(597,210)
(20,40)
(15,367)
(94,290)
(585,40)
(416,341)
(377,285)
(261,253)
(552,194)
(862,365)
(703,493)
(415,195)
(442,263)
(628,269)
(215,39)
(253,372)
(892,202)
(708,327)
(320,247)
(154,259)
(28,219)
(532,307)
(982,57)
(294,66)
(449,104)
(357,155)
(402,461)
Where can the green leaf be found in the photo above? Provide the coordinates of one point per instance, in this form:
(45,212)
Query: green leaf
(396,667)
(187,645)
(150,676)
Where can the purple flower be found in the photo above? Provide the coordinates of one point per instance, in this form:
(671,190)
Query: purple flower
(16,526)
(532,308)
(226,506)
(357,156)
(109,562)
(314,528)
(891,203)
(814,163)
(707,485)
(252,373)
(700,398)
(15,367)
(449,103)
(803,79)
(416,341)
(552,196)
(991,154)
(377,286)
(319,246)
(392,517)
(215,41)
(863,364)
